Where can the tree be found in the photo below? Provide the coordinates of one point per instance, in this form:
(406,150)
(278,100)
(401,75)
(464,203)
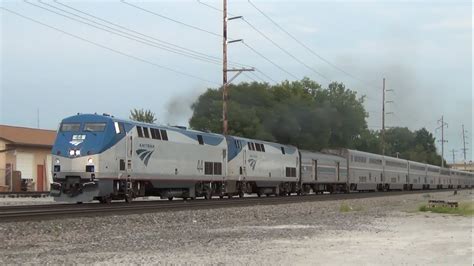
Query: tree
(300,113)
(141,115)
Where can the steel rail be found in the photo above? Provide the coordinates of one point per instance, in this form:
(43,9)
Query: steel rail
(61,211)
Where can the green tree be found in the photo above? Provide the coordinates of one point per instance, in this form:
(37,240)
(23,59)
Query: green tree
(142,115)
(300,113)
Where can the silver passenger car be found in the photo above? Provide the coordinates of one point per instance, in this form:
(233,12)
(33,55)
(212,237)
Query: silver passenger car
(323,172)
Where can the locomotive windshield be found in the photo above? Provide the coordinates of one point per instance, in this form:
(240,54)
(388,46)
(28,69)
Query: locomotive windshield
(94,127)
(70,127)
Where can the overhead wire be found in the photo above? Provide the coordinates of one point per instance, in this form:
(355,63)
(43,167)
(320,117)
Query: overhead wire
(306,47)
(283,49)
(121,33)
(183,24)
(251,48)
(270,61)
(136,32)
(110,49)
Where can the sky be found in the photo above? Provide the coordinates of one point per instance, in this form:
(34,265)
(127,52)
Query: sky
(422,48)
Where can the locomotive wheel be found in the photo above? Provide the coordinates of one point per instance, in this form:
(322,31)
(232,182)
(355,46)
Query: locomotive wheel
(221,196)
(259,195)
(170,198)
(207,195)
(128,198)
(241,194)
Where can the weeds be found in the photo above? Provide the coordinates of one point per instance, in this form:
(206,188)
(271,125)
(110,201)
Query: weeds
(464,209)
(426,196)
(347,208)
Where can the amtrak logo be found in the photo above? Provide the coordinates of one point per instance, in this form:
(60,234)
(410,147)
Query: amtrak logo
(252,163)
(144,155)
(77,139)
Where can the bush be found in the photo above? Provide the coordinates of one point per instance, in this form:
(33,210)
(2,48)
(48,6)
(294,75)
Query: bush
(464,209)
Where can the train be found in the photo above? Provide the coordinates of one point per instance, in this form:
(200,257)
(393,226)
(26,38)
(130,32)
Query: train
(102,158)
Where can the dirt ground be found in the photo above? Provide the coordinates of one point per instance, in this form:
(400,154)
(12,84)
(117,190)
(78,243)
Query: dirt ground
(377,231)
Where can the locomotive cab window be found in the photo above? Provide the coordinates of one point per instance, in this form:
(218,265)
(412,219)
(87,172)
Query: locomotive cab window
(70,127)
(257,146)
(282,150)
(94,127)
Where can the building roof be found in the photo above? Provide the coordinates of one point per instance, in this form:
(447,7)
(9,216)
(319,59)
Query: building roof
(27,136)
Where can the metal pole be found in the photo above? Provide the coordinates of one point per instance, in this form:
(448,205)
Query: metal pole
(383,117)
(224,70)
(464,146)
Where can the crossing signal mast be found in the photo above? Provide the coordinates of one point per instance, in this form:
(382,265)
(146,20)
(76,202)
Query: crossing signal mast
(225,70)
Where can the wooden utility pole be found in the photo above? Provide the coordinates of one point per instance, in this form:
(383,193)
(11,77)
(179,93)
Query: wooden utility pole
(225,69)
(443,124)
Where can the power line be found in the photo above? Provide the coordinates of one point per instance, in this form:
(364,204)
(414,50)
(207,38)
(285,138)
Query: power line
(173,20)
(283,49)
(190,26)
(108,48)
(305,46)
(270,61)
(122,33)
(251,48)
(136,32)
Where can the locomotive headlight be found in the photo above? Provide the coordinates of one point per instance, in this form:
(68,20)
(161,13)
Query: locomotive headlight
(90,161)
(57,161)
(78,152)
(71,152)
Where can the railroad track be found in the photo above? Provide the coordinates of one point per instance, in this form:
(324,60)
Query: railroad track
(24,194)
(60,211)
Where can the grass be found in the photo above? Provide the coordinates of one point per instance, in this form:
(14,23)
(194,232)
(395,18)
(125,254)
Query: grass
(464,209)
(347,208)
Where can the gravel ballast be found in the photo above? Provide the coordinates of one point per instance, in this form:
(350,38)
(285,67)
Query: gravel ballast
(385,230)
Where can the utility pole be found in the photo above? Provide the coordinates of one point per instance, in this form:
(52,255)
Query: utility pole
(464,149)
(225,70)
(383,114)
(454,156)
(383,118)
(443,124)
